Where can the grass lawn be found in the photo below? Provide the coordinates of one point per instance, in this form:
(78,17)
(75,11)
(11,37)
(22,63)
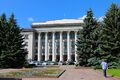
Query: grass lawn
(33,72)
(114,72)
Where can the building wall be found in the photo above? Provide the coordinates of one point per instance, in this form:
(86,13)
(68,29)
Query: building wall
(29,41)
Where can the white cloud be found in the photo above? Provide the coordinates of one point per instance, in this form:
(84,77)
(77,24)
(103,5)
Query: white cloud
(100,18)
(30,19)
(83,17)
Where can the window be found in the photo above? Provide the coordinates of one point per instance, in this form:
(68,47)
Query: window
(26,36)
(36,36)
(57,43)
(72,36)
(57,50)
(43,51)
(50,36)
(57,36)
(72,49)
(35,57)
(36,51)
(64,36)
(26,43)
(50,51)
(50,43)
(36,44)
(72,43)
(65,49)
(65,43)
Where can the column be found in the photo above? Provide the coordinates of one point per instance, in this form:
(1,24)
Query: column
(68,47)
(53,46)
(39,46)
(46,46)
(75,46)
(48,49)
(61,52)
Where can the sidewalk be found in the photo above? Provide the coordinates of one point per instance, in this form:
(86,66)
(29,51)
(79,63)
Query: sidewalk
(77,74)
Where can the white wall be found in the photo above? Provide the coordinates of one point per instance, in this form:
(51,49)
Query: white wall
(30,47)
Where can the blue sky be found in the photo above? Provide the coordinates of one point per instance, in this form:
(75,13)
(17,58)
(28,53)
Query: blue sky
(28,11)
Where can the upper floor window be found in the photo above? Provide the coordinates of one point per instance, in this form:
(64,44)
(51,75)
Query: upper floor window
(50,36)
(72,35)
(50,43)
(57,43)
(65,43)
(57,36)
(64,35)
(36,36)
(26,36)
(72,43)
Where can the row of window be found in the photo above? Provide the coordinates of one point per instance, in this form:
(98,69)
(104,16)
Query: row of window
(57,36)
(57,50)
(56,43)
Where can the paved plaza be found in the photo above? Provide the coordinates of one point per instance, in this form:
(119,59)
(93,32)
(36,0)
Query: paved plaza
(77,74)
(72,74)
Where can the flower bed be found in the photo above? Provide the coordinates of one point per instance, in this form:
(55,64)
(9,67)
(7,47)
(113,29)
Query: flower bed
(29,73)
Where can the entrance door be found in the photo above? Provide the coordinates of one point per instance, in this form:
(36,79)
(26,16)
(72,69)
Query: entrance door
(57,58)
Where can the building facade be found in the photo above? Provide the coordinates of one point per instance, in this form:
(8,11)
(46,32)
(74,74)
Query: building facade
(52,40)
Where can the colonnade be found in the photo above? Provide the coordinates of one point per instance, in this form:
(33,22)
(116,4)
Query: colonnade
(39,56)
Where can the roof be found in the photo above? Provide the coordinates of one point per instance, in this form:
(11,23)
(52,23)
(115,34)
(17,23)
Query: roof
(28,30)
(63,22)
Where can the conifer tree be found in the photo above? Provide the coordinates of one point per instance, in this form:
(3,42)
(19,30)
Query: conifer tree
(110,49)
(12,50)
(95,58)
(85,40)
(3,40)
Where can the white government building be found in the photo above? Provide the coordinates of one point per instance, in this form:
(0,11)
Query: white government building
(52,40)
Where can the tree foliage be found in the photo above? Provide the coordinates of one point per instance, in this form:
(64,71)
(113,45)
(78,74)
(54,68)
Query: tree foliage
(12,52)
(110,48)
(85,42)
(100,41)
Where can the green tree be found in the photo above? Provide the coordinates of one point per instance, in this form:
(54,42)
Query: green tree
(110,49)
(95,58)
(85,43)
(12,49)
(3,31)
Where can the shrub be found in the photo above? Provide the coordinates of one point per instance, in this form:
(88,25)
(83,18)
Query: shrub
(76,64)
(94,62)
(29,65)
(70,63)
(113,65)
(97,67)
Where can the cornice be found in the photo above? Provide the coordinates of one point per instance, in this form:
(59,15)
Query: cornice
(28,30)
(56,25)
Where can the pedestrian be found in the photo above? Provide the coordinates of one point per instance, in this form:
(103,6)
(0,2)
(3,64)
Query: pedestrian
(104,67)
